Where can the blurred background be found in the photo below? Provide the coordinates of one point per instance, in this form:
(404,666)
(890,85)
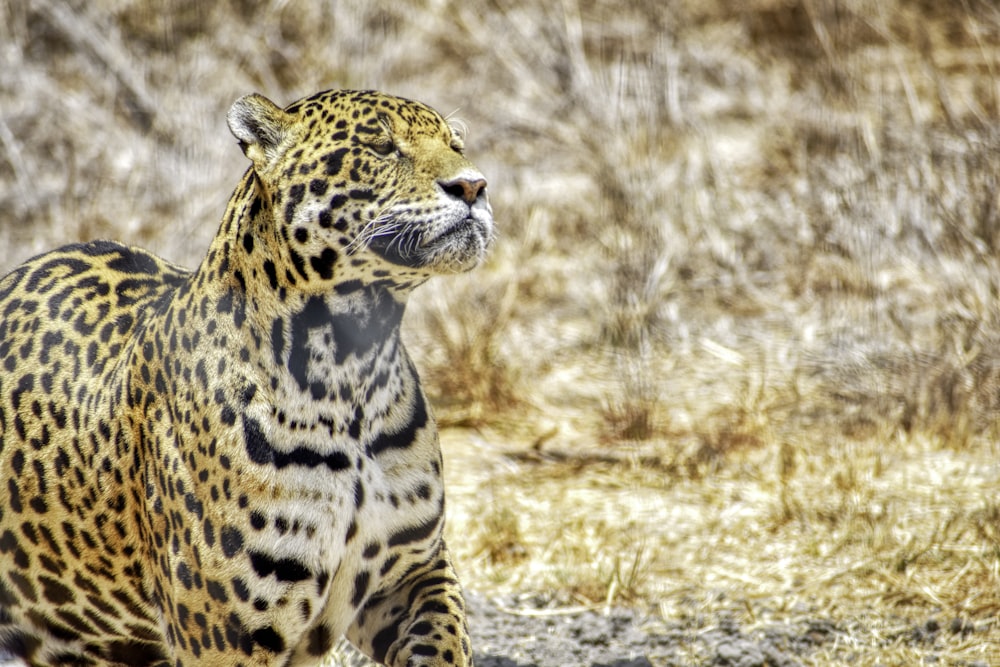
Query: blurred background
(736,350)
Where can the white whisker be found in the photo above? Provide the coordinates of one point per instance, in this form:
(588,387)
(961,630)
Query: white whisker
(382,224)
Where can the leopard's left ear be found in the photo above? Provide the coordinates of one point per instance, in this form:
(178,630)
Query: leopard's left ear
(261,127)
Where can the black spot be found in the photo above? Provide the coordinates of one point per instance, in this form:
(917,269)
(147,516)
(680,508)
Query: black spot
(268,638)
(415,533)
(432,607)
(25,384)
(39,505)
(209,532)
(421,629)
(404,437)
(231,540)
(241,280)
(216,591)
(194,505)
(220,644)
(334,161)
(260,451)
(55,591)
(318,187)
(361,194)
(424,649)
(360,588)
(349,287)
(130,261)
(317,390)
(337,201)
(237,636)
(18,462)
(225,304)
(277,339)
(322,579)
(23,585)
(298,263)
(320,641)
(295,195)
(359,493)
(382,640)
(257,520)
(323,264)
(285,569)
(258,448)
(255,207)
(14,496)
(240,589)
(133,652)
(248,393)
(8,542)
(124,323)
(184,575)
(272,273)
(354,428)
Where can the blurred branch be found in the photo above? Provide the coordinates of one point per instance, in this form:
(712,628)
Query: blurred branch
(104,47)
(12,152)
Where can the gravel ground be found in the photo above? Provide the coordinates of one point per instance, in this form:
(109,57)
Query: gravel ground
(532,637)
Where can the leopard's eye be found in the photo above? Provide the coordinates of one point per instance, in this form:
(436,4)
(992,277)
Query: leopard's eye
(384,146)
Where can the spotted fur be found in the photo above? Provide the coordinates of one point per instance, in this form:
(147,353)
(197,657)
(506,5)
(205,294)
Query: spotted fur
(236,465)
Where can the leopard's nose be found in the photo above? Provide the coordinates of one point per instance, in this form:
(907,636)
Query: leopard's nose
(466,189)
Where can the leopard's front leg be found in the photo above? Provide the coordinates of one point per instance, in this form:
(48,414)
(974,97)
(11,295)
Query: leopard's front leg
(421,623)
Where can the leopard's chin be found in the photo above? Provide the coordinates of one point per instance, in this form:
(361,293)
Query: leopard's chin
(458,248)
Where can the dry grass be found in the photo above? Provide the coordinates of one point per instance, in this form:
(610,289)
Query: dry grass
(737,348)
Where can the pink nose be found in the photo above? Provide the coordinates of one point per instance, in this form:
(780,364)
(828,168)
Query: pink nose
(468,190)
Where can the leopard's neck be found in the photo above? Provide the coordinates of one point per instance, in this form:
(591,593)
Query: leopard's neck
(324,370)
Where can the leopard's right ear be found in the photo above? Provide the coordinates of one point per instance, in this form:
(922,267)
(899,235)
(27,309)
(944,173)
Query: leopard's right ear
(261,127)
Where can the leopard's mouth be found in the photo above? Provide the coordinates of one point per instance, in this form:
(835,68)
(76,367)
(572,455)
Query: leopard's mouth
(451,248)
(463,227)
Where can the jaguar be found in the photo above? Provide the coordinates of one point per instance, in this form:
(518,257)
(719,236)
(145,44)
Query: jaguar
(236,465)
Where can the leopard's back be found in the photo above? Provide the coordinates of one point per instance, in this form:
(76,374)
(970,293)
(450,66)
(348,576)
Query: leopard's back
(67,325)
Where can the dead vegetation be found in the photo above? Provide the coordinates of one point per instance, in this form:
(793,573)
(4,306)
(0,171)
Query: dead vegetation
(737,348)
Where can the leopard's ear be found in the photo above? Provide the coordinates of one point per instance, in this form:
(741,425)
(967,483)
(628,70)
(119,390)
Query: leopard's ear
(261,127)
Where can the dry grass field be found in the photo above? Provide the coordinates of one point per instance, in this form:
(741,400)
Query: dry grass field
(737,351)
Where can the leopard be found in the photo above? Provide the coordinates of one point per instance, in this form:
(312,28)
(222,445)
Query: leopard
(236,465)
